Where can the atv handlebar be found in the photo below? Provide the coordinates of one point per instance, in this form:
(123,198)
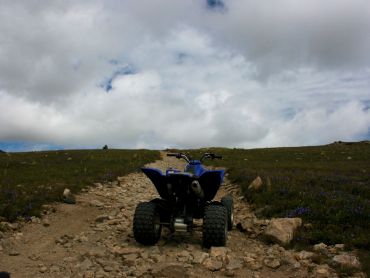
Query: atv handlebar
(188,158)
(211,156)
(180,155)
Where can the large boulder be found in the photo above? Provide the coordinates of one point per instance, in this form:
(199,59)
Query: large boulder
(347,260)
(282,230)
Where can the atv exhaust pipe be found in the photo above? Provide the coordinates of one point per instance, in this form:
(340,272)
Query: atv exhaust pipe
(197,189)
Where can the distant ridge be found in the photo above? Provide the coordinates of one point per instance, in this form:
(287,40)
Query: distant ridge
(350,143)
(1,151)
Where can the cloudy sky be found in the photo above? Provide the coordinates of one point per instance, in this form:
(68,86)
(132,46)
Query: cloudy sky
(189,73)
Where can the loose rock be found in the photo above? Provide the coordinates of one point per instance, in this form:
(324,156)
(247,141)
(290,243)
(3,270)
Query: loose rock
(117,250)
(347,260)
(86,264)
(199,257)
(45,222)
(218,253)
(324,271)
(96,203)
(271,262)
(255,184)
(130,259)
(282,229)
(339,246)
(320,247)
(54,269)
(88,274)
(13,253)
(101,218)
(170,270)
(10,247)
(252,263)
(234,263)
(212,264)
(68,197)
(304,255)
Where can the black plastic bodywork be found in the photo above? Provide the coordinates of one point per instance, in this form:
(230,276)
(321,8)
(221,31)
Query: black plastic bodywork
(177,197)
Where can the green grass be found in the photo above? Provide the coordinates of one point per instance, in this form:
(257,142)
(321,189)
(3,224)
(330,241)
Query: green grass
(327,186)
(29,180)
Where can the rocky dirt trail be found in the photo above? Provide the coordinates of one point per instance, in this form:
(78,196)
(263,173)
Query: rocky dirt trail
(93,238)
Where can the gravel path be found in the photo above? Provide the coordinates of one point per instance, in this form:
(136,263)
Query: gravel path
(93,238)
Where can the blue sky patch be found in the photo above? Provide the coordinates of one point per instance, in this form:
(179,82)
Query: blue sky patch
(215,4)
(107,83)
(289,113)
(26,146)
(114,62)
(181,57)
(367,105)
(366,136)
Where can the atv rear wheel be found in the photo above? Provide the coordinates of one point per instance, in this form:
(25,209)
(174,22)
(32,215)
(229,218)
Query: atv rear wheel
(147,225)
(215,225)
(228,202)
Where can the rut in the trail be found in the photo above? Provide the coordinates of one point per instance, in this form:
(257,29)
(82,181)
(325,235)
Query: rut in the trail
(93,238)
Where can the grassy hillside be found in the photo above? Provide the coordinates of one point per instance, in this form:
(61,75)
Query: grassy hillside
(327,186)
(30,179)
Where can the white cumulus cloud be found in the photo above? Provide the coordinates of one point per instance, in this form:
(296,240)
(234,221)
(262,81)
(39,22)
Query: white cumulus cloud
(160,74)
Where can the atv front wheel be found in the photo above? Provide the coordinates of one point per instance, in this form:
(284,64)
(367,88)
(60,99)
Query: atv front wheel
(215,225)
(228,202)
(147,225)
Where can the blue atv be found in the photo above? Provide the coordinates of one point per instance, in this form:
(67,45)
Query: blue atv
(184,196)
